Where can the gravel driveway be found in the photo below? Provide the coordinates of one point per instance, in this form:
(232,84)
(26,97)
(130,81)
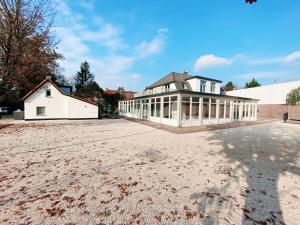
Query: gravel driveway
(120,172)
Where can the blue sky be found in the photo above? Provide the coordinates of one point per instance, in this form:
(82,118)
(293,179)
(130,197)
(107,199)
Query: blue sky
(134,43)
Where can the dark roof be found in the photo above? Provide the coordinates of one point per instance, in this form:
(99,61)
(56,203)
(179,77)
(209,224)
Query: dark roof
(49,80)
(178,79)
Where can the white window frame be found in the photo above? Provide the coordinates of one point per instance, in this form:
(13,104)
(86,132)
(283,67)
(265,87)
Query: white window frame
(212,87)
(202,86)
(43,113)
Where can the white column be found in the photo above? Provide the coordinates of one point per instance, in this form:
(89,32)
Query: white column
(155,108)
(161,108)
(249,111)
(241,110)
(218,110)
(231,110)
(255,112)
(200,109)
(209,109)
(179,110)
(149,108)
(191,102)
(225,106)
(169,107)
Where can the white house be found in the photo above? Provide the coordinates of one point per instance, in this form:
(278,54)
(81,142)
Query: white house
(267,94)
(183,100)
(48,101)
(272,98)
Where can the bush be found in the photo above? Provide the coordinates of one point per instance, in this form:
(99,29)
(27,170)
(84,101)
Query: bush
(293,97)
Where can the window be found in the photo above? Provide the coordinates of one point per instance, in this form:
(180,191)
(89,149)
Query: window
(157,113)
(40,111)
(202,85)
(48,93)
(221,108)
(212,87)
(185,108)
(152,106)
(213,112)
(166,107)
(173,107)
(195,107)
(205,110)
(227,109)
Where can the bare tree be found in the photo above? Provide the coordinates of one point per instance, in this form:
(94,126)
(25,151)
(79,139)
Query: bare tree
(27,45)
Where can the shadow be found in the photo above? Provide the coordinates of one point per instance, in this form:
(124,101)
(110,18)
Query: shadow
(257,156)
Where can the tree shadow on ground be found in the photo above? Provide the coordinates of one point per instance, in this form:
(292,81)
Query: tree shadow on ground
(256,155)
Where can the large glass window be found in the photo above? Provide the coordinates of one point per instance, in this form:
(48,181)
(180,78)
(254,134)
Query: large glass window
(157,109)
(185,108)
(227,109)
(195,107)
(174,112)
(221,108)
(205,110)
(213,112)
(152,106)
(202,85)
(166,107)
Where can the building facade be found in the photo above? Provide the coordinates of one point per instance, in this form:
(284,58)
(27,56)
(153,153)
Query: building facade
(182,100)
(272,98)
(48,101)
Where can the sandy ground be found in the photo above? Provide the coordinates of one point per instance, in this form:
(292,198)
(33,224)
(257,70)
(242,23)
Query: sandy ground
(120,172)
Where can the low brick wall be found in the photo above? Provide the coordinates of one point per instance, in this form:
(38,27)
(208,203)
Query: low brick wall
(272,111)
(294,112)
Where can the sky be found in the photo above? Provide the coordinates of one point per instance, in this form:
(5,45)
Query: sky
(134,43)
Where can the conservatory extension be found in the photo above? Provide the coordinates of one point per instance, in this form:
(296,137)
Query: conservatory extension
(183,100)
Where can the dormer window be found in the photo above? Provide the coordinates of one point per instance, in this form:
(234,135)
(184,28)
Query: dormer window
(48,93)
(212,87)
(202,85)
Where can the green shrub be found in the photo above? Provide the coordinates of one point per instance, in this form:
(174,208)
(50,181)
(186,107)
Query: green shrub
(293,97)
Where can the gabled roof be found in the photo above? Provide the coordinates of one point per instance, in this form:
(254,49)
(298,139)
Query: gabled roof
(50,81)
(178,79)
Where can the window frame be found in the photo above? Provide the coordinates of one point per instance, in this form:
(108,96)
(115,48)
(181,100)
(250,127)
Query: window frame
(48,90)
(39,107)
(203,85)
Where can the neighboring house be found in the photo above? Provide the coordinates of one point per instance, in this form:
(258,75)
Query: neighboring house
(125,94)
(49,101)
(272,98)
(184,100)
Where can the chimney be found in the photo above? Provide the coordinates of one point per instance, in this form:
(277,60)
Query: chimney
(48,77)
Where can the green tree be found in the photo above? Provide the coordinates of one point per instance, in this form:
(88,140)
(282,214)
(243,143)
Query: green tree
(229,86)
(293,97)
(83,79)
(252,83)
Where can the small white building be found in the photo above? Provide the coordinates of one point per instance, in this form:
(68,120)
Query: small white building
(268,94)
(48,101)
(272,98)
(183,100)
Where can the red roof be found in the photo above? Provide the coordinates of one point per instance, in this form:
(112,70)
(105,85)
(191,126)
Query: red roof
(124,94)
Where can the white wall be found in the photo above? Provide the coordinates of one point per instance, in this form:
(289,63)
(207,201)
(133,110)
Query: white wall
(268,94)
(195,84)
(58,106)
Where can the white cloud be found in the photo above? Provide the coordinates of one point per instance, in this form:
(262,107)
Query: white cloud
(208,61)
(87,4)
(79,42)
(155,46)
(294,56)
